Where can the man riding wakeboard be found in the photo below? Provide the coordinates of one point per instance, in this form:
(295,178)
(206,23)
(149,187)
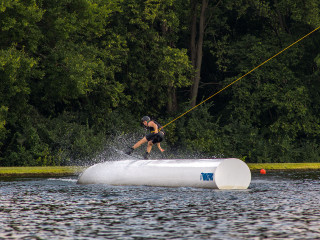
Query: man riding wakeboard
(155,136)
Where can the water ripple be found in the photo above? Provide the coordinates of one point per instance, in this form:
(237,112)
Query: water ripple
(282,205)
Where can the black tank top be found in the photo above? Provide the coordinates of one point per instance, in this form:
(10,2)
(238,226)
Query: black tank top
(151,129)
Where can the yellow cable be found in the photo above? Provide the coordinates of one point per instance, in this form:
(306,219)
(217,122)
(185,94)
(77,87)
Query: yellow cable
(240,77)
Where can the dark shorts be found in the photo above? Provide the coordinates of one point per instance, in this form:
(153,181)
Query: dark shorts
(155,137)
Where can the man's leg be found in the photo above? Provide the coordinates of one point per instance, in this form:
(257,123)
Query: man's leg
(138,144)
(149,147)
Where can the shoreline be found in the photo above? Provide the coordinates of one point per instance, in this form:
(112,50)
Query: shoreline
(62,171)
(49,171)
(284,166)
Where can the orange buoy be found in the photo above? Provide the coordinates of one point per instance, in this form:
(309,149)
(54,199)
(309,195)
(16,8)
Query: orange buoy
(262,171)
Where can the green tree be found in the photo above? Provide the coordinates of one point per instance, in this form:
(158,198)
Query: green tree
(15,73)
(273,102)
(64,58)
(79,57)
(3,130)
(18,20)
(151,31)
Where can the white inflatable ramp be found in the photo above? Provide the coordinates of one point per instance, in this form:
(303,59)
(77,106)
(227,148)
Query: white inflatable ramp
(229,173)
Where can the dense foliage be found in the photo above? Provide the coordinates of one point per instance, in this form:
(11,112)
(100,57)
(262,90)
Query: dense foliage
(77,74)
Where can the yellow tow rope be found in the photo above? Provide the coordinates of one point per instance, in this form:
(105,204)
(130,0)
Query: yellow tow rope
(240,77)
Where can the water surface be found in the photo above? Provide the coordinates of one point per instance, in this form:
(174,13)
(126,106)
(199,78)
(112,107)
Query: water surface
(278,205)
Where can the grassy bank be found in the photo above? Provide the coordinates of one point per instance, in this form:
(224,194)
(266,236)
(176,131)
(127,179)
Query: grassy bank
(39,171)
(74,170)
(284,166)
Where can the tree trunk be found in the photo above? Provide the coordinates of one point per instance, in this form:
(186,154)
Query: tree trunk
(196,46)
(282,20)
(172,106)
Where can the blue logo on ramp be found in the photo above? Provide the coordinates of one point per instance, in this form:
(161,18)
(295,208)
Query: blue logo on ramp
(206,177)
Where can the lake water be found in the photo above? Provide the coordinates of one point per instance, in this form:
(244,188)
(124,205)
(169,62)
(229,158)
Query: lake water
(278,205)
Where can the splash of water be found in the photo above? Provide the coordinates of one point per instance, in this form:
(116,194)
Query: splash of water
(115,150)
